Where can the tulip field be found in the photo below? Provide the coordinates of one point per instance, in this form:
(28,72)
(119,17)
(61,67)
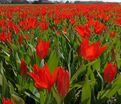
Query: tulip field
(60,54)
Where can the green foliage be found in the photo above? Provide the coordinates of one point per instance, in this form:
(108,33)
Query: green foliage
(86,93)
(53,61)
(87,84)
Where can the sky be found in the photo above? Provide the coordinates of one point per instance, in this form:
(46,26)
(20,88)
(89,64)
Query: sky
(83,0)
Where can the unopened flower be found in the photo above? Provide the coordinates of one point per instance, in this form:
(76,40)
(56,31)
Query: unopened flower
(110,72)
(42,48)
(23,68)
(63,82)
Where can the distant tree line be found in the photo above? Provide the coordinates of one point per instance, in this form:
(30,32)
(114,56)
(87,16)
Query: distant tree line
(48,2)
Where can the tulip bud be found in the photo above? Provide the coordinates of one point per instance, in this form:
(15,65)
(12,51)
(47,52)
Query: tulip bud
(23,68)
(63,82)
(109,72)
(42,49)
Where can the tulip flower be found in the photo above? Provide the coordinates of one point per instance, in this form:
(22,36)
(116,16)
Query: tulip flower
(42,77)
(63,82)
(91,52)
(84,31)
(43,26)
(20,40)
(6,101)
(13,27)
(42,49)
(99,28)
(31,23)
(43,19)
(72,21)
(109,72)
(2,22)
(56,21)
(23,68)
(27,37)
(4,37)
(112,34)
(118,21)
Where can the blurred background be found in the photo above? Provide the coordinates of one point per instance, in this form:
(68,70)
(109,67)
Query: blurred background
(56,1)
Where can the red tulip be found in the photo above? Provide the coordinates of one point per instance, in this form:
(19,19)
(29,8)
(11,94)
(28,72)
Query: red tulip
(84,31)
(91,52)
(42,49)
(13,26)
(118,21)
(112,34)
(63,82)
(106,17)
(20,40)
(32,23)
(43,19)
(23,68)
(91,22)
(43,26)
(4,37)
(56,21)
(99,28)
(72,21)
(53,28)
(29,23)
(42,77)
(6,101)
(109,72)
(2,22)
(27,37)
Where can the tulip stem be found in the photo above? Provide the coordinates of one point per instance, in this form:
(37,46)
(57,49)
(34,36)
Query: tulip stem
(48,97)
(62,101)
(69,59)
(42,97)
(21,86)
(101,80)
(91,63)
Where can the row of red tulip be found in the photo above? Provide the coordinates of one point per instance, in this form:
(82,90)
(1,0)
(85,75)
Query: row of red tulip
(19,25)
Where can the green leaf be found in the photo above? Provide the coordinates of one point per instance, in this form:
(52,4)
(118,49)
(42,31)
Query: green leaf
(96,65)
(11,87)
(17,58)
(119,91)
(53,61)
(86,93)
(14,47)
(56,96)
(29,94)
(0,80)
(81,70)
(76,85)
(112,91)
(27,58)
(115,87)
(5,87)
(118,60)
(90,74)
(42,97)
(108,93)
(17,99)
(32,47)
